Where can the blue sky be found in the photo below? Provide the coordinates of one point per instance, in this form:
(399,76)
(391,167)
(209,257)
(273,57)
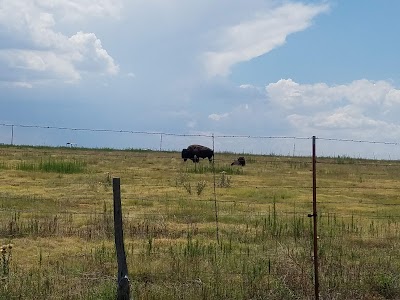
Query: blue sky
(328,68)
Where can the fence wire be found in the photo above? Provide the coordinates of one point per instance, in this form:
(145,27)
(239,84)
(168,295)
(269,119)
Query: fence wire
(357,198)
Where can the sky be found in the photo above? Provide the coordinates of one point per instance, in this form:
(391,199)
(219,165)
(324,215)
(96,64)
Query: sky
(259,68)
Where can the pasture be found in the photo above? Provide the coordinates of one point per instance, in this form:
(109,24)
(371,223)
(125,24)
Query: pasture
(56,223)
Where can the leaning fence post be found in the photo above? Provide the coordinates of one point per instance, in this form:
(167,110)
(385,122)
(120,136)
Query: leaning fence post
(123,288)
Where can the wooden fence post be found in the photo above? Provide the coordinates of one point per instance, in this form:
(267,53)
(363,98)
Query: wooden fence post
(123,289)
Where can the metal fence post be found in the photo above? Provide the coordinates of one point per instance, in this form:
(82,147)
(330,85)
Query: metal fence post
(314,215)
(215,192)
(123,289)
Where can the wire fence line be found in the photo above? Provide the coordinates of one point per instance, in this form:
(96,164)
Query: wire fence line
(259,214)
(154,132)
(290,145)
(363,221)
(197,134)
(358,141)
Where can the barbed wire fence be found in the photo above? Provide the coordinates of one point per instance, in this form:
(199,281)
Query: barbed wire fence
(375,218)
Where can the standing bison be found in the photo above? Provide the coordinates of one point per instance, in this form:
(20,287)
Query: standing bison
(195,152)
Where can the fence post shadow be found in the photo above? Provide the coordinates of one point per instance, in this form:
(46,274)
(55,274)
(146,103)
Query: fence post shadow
(123,288)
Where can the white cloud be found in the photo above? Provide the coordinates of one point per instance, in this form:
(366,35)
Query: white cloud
(247,86)
(16,84)
(23,84)
(90,53)
(34,50)
(73,10)
(361,108)
(236,117)
(40,65)
(347,117)
(364,93)
(253,38)
(218,117)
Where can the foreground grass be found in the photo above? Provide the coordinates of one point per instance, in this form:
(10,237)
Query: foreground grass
(61,226)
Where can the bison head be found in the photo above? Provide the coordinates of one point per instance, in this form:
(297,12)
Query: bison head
(185,154)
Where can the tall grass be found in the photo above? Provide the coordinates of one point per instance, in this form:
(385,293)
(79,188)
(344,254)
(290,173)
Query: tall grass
(62,228)
(54,166)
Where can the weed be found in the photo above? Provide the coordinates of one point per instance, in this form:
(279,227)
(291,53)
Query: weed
(6,258)
(3,166)
(387,285)
(224,180)
(182,178)
(108,180)
(200,187)
(188,187)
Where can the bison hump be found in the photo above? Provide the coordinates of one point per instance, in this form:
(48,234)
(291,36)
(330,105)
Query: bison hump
(196,147)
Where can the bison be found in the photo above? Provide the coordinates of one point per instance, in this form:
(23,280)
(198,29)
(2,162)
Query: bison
(195,152)
(239,162)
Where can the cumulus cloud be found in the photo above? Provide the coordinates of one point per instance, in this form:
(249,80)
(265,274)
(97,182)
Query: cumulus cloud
(253,38)
(348,117)
(33,50)
(364,93)
(90,55)
(360,108)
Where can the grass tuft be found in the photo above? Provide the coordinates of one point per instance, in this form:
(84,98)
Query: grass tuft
(53,166)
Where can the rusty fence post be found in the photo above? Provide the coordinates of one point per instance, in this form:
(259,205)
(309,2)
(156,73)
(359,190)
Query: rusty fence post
(314,216)
(123,289)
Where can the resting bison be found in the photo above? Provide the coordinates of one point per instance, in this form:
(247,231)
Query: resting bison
(195,152)
(239,162)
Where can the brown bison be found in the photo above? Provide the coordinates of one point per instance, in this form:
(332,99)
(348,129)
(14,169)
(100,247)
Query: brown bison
(239,162)
(195,152)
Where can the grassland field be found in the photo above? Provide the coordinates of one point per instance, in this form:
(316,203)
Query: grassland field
(196,231)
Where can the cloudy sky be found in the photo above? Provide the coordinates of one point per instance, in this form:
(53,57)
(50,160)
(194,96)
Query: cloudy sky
(328,68)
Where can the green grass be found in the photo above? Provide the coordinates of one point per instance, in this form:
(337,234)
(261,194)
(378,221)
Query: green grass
(55,166)
(61,225)
(202,168)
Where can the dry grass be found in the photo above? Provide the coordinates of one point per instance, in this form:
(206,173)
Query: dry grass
(61,226)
